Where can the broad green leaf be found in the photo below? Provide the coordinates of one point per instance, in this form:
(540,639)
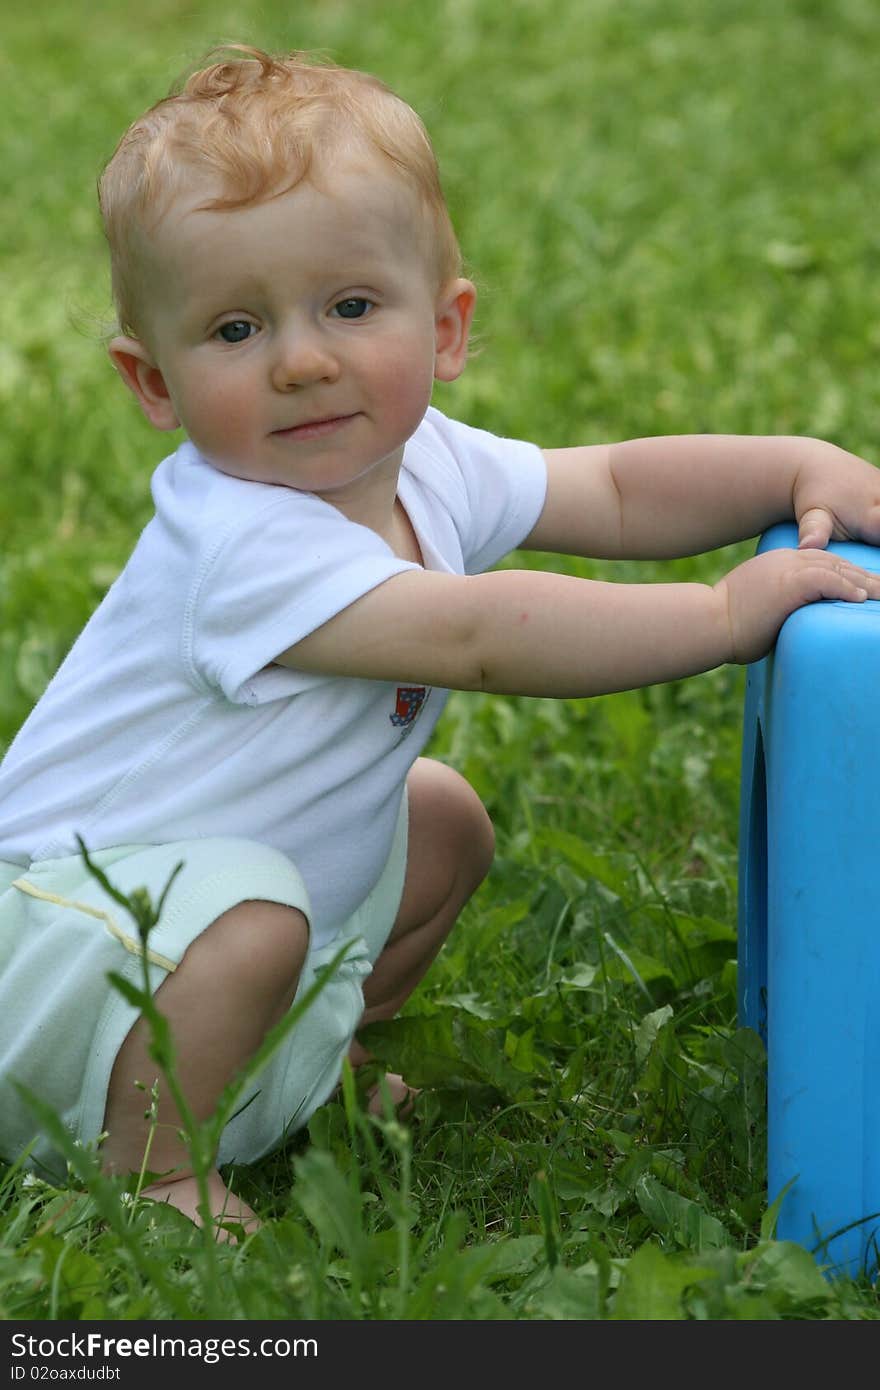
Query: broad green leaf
(519,1049)
(331,1203)
(678,1217)
(649,1027)
(588,864)
(500,1259)
(448,1049)
(652,1284)
(567,1295)
(637,967)
(785,1269)
(581,976)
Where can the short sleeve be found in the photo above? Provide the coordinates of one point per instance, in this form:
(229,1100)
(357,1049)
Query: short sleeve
(274,578)
(494,488)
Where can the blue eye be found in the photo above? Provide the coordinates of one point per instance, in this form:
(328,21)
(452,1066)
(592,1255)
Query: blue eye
(353,308)
(235,331)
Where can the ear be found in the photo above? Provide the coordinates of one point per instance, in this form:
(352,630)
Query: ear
(455,310)
(143,378)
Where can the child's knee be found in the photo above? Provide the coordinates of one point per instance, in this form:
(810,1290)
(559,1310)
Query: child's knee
(477,839)
(257,945)
(450,829)
(471,827)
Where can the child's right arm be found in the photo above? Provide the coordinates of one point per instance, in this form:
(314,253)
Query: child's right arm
(529,632)
(536,633)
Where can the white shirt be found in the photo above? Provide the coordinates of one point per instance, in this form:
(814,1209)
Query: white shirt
(167,720)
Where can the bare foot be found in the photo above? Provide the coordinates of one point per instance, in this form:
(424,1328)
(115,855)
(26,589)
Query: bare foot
(402,1096)
(226,1208)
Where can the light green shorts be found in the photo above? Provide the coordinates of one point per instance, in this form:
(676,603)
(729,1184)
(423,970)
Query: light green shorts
(62,1023)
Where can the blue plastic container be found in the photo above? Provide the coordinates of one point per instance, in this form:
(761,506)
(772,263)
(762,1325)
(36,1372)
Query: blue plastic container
(809,916)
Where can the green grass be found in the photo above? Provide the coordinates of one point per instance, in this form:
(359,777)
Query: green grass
(668,208)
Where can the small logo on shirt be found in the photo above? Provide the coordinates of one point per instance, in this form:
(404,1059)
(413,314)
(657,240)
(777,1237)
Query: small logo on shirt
(410,703)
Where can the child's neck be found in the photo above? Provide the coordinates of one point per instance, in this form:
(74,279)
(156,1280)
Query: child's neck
(380,508)
(404,541)
(398,533)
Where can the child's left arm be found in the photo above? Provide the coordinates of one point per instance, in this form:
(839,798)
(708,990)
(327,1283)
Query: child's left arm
(676,495)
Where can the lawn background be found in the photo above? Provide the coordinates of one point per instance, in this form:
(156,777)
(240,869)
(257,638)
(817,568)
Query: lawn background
(669,210)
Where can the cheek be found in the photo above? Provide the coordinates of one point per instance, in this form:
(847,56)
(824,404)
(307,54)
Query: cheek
(406,378)
(215,407)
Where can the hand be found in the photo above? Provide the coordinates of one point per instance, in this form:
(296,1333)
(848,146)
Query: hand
(836,496)
(761,593)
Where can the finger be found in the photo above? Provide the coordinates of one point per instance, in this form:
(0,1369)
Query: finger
(815,529)
(866,580)
(838,579)
(832,585)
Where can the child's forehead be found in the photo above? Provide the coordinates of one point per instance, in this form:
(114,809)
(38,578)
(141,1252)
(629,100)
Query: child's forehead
(356,182)
(358,204)
(358,217)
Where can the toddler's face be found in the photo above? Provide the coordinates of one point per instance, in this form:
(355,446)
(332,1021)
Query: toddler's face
(297,340)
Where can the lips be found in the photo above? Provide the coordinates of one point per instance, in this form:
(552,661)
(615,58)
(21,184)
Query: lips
(315,429)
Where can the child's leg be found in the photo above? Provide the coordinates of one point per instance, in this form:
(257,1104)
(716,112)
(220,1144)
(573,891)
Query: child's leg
(240,976)
(234,982)
(450,849)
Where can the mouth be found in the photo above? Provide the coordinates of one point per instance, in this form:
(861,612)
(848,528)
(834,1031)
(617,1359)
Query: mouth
(314,429)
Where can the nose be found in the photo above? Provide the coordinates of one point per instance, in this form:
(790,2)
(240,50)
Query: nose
(302,358)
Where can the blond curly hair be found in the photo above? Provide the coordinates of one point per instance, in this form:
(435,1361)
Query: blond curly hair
(258,125)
